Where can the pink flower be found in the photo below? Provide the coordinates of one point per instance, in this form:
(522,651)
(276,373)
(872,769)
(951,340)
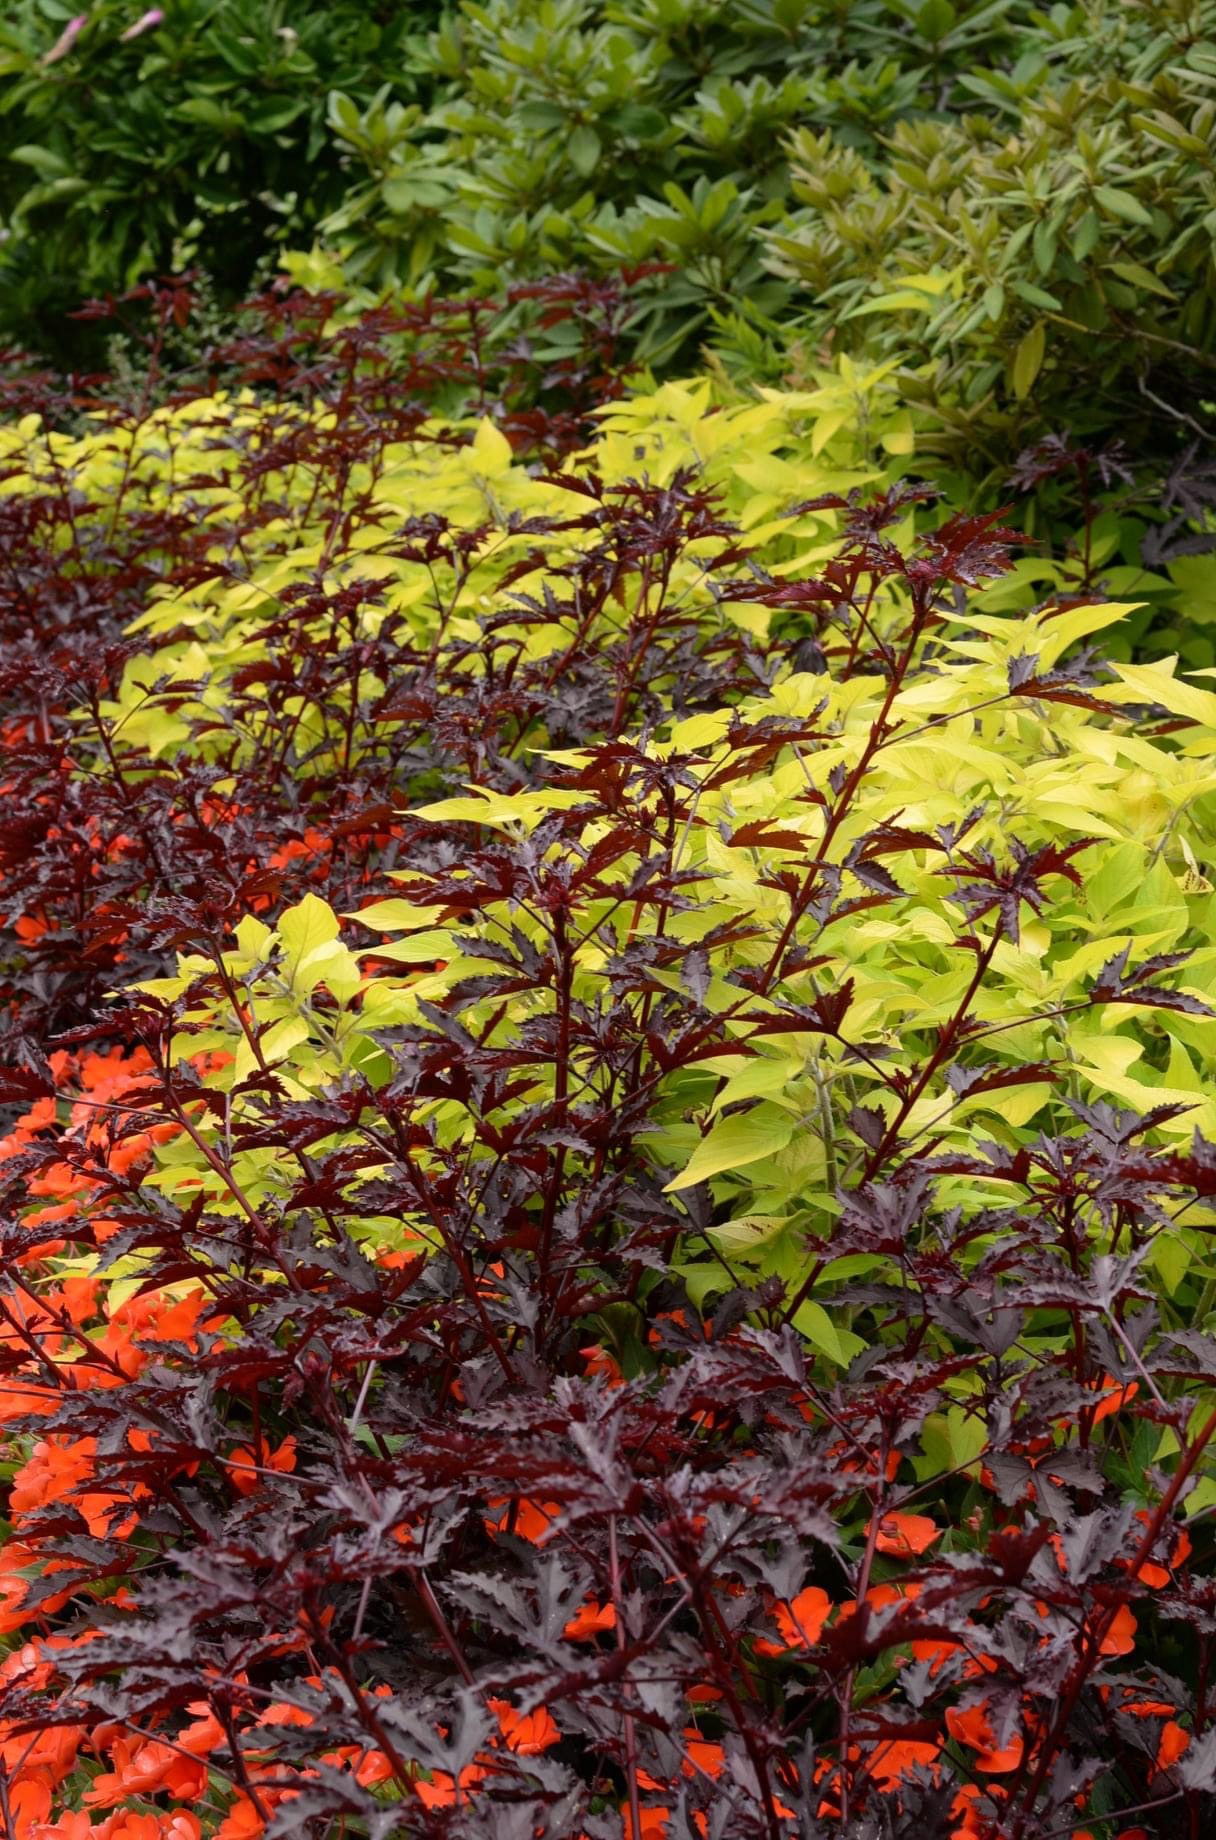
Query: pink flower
(144,23)
(67,38)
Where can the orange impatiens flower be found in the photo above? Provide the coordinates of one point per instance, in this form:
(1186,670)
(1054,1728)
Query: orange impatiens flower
(602,1363)
(242,1822)
(906,1536)
(246,1467)
(590,1621)
(653,1824)
(142,1769)
(56,1468)
(527,1733)
(527,1520)
(29,1800)
(970,1727)
(443,1790)
(1171,1744)
(702,1755)
(893,1758)
(1120,1638)
(800,1621)
(1114,1398)
(1179,1550)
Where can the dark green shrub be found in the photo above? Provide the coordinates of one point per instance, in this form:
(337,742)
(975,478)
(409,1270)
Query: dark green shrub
(570,132)
(198,137)
(1047,259)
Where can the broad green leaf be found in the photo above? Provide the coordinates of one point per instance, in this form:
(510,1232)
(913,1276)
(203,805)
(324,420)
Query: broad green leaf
(734,1142)
(1028,360)
(840,1345)
(951,1440)
(305,927)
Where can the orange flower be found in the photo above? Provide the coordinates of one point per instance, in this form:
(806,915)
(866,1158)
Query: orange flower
(600,1361)
(906,1535)
(442,1791)
(245,1468)
(242,1822)
(589,1621)
(1157,1576)
(653,1826)
(800,1621)
(205,1734)
(975,1826)
(532,1519)
(181,1825)
(1171,1744)
(892,1758)
(56,1468)
(51,1752)
(1116,1397)
(1120,1638)
(13,1587)
(70,1826)
(969,1726)
(936,1651)
(702,1754)
(281,1713)
(527,1733)
(29,1800)
(142,1769)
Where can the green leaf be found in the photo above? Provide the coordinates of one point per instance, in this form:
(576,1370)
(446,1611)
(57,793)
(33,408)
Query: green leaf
(935,19)
(305,927)
(734,1142)
(736,1238)
(1139,276)
(584,148)
(42,159)
(1122,204)
(1028,360)
(1037,296)
(839,1345)
(1086,234)
(636,121)
(951,1440)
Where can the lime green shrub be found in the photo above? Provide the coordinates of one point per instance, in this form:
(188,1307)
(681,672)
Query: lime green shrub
(829,828)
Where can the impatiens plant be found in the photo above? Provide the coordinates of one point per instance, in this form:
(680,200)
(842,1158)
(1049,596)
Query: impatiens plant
(607,1206)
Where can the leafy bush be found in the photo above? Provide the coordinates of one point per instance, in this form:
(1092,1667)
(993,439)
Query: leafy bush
(134,140)
(569,133)
(594,1277)
(993,197)
(1066,232)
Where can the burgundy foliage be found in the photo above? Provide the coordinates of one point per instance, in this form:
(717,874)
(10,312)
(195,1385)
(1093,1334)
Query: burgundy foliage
(692,1563)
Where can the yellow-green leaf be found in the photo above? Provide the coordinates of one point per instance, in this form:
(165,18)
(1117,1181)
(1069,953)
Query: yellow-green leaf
(734,1142)
(1028,360)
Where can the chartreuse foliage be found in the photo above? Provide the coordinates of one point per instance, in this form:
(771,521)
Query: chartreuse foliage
(857,1014)
(604,1232)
